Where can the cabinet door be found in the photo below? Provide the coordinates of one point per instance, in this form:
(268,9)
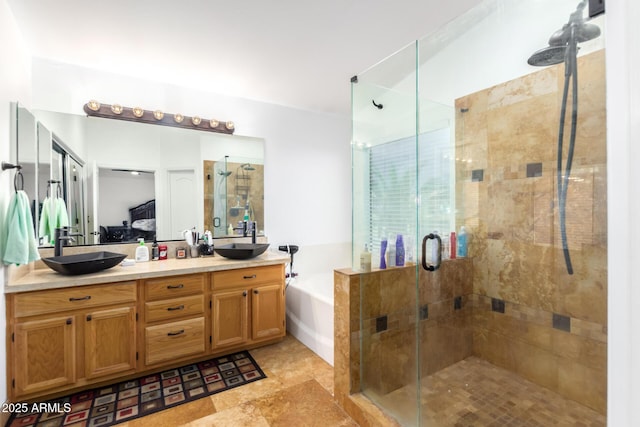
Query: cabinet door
(230,312)
(267,312)
(44,355)
(109,341)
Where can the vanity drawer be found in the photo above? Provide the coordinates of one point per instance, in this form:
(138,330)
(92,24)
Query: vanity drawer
(247,276)
(55,300)
(176,286)
(174,340)
(174,308)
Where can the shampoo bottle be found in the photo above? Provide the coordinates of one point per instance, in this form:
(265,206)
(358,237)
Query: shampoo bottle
(462,242)
(365,259)
(142,252)
(383,253)
(391,254)
(399,251)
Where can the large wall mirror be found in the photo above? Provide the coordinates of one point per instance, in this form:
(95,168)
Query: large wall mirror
(123,180)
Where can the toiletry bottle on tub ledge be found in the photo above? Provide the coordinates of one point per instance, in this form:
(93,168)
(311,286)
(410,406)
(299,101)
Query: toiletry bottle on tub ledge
(463,242)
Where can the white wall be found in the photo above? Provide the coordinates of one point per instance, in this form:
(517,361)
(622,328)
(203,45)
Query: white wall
(14,86)
(623,158)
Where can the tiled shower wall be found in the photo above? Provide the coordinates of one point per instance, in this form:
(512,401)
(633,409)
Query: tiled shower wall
(530,315)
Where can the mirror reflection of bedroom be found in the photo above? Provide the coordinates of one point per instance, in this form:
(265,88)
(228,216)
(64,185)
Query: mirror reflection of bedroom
(126,216)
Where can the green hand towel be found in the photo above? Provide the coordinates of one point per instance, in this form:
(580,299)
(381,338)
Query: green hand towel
(45,220)
(54,215)
(62,217)
(20,246)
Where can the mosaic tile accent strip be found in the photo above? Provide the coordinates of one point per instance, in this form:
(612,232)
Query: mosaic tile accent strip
(110,405)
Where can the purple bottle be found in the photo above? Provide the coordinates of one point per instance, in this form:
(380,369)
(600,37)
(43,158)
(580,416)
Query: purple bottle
(399,251)
(383,251)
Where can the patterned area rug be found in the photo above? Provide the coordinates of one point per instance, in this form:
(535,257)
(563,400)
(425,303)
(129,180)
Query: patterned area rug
(107,406)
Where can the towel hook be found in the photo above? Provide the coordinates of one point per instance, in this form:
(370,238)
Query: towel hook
(15,181)
(6,166)
(58,189)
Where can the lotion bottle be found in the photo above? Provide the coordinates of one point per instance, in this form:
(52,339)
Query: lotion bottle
(142,252)
(365,260)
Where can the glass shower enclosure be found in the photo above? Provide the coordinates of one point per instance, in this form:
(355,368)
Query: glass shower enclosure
(481,197)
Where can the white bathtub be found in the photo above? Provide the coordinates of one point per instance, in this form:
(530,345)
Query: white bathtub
(310,312)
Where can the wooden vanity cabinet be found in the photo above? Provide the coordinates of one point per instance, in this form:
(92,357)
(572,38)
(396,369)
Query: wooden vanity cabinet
(247,305)
(64,337)
(72,338)
(175,323)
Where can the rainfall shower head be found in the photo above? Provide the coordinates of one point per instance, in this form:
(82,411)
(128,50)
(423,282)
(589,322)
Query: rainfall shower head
(550,55)
(248,167)
(574,32)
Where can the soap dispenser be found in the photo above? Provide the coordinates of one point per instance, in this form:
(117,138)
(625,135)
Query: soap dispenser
(142,252)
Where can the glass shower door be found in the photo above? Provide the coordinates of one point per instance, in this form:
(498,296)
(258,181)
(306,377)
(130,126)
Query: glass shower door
(411,310)
(385,204)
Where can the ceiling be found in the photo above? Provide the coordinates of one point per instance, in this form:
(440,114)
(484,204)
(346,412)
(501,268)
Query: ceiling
(295,53)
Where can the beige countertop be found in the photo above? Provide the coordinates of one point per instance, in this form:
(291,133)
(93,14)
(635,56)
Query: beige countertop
(45,278)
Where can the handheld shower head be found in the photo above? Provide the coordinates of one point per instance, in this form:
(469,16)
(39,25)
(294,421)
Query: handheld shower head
(582,32)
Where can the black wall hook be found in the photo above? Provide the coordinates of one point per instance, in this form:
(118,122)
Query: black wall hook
(378,106)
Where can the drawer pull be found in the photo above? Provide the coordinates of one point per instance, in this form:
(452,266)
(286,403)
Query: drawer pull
(88,297)
(180,307)
(180,286)
(173,334)
(253,276)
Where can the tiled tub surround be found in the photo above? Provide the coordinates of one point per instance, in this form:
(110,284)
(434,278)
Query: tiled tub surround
(519,308)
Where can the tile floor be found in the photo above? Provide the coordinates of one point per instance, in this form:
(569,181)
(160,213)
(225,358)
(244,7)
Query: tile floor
(298,391)
(473,392)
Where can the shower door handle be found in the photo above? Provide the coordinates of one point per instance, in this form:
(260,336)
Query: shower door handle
(425,265)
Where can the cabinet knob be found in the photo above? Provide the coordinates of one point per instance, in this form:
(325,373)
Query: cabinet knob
(69,321)
(244,294)
(89,317)
(255,291)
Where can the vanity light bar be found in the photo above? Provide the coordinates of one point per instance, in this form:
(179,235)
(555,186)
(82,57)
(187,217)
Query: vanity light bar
(157,117)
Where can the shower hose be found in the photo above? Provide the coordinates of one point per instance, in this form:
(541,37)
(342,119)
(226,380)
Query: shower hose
(570,75)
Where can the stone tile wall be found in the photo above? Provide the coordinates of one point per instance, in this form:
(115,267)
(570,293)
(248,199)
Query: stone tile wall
(553,329)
